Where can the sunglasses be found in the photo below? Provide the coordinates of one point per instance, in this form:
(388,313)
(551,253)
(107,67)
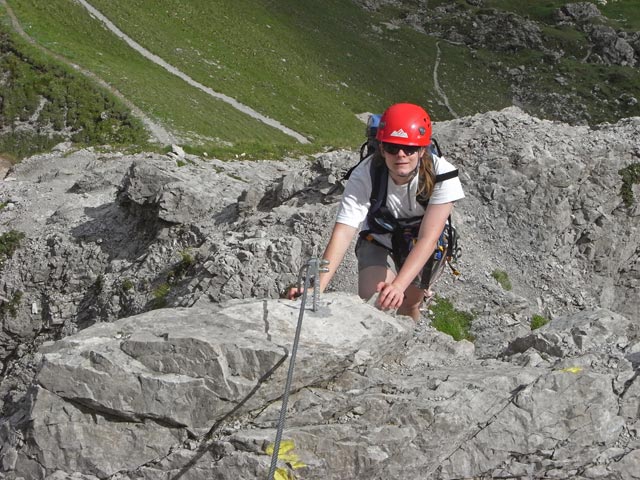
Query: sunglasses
(394,148)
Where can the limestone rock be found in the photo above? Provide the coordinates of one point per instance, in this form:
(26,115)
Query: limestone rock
(117,394)
(156,283)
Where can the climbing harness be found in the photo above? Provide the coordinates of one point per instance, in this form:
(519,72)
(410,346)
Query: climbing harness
(309,276)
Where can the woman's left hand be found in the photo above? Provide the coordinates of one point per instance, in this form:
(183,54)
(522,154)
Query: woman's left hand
(389,296)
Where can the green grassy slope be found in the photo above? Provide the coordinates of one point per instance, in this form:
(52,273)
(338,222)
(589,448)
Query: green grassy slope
(67,28)
(67,106)
(623,14)
(313,66)
(312,63)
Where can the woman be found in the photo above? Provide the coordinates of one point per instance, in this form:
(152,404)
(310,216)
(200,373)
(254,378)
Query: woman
(400,236)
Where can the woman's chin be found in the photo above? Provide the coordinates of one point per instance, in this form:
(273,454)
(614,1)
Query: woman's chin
(403,171)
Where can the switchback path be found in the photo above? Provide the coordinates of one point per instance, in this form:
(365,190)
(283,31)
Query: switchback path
(158,133)
(171,69)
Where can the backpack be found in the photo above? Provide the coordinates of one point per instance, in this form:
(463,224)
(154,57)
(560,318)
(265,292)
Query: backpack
(404,232)
(371,144)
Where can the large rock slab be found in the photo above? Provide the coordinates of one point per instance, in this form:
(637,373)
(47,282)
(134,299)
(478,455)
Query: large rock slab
(194,393)
(460,419)
(116,395)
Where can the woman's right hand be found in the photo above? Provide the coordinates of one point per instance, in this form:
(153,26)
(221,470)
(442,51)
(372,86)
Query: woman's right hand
(389,296)
(291,293)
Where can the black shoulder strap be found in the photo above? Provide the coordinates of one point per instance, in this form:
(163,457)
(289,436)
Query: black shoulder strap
(446,176)
(365,151)
(379,181)
(435,147)
(424,201)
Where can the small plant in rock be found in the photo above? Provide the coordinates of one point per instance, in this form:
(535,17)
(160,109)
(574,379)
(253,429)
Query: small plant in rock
(187,261)
(11,307)
(99,283)
(538,321)
(9,243)
(630,175)
(502,278)
(446,319)
(187,258)
(160,295)
(126,285)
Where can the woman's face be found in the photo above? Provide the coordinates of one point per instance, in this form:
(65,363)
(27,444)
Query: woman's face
(401,160)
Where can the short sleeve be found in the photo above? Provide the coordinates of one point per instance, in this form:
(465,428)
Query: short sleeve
(448,190)
(355,201)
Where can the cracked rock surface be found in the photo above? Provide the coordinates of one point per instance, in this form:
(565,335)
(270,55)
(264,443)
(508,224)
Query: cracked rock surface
(143,336)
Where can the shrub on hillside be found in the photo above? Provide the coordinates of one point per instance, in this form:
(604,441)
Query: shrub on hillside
(43,103)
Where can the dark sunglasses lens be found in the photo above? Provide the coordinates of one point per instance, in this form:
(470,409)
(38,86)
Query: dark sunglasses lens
(393,149)
(410,150)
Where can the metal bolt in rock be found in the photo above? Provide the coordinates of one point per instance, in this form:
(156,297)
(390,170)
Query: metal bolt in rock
(310,272)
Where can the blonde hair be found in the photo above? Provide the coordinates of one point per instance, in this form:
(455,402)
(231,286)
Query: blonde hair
(427,174)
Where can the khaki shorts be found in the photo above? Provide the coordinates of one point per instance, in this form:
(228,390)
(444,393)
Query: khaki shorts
(371,254)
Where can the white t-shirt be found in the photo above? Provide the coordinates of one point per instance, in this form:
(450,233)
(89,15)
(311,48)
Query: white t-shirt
(401,199)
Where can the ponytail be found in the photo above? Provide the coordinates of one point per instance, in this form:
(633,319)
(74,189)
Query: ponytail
(426,174)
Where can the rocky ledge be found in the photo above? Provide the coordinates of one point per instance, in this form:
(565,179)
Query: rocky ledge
(143,336)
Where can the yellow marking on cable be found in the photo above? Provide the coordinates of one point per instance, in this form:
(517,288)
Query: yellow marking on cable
(283,474)
(572,369)
(286,454)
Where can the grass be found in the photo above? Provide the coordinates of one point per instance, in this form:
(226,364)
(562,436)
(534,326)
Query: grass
(67,29)
(313,66)
(624,12)
(57,103)
(538,321)
(187,261)
(9,243)
(540,11)
(613,11)
(446,319)
(573,42)
(462,90)
(160,295)
(127,285)
(98,285)
(11,307)
(630,175)
(502,278)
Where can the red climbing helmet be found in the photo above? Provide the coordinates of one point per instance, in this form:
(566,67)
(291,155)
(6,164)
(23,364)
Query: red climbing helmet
(405,124)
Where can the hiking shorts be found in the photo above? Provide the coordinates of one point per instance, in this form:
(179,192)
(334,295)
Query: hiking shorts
(370,254)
